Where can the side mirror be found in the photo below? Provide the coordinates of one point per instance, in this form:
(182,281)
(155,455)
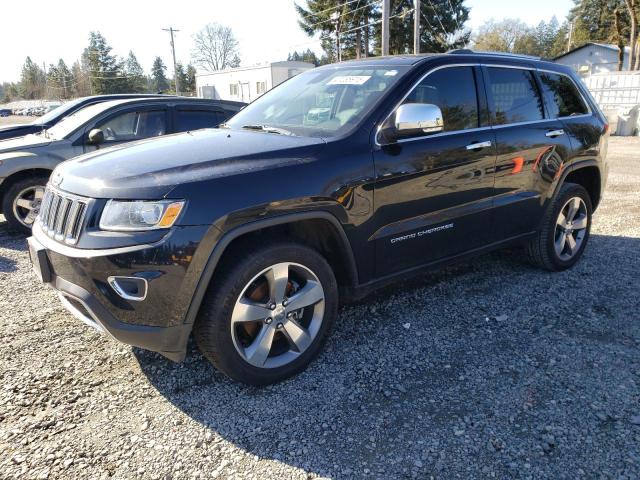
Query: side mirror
(95,137)
(418,118)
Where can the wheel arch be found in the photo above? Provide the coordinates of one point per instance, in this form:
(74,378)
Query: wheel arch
(318,229)
(20,175)
(586,173)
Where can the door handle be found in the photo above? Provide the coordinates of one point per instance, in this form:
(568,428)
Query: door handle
(554,133)
(478,145)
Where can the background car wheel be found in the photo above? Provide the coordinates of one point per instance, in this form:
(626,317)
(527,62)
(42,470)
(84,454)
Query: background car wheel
(565,230)
(21,202)
(268,312)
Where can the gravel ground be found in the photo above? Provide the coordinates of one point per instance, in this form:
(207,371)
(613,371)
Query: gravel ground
(489,369)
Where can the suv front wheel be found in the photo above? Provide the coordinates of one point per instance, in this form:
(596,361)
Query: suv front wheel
(268,313)
(565,230)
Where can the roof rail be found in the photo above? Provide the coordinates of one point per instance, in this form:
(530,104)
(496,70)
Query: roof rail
(467,51)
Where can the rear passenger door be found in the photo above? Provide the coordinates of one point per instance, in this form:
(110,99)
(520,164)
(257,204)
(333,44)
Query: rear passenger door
(566,103)
(531,149)
(434,191)
(194,118)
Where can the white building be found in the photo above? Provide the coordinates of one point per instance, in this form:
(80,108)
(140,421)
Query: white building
(245,84)
(593,58)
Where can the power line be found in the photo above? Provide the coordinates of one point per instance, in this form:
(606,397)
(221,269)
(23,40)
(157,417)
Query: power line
(438,17)
(404,13)
(453,12)
(332,8)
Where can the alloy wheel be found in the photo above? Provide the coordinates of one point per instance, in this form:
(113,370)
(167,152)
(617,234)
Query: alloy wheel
(278,315)
(26,204)
(571,228)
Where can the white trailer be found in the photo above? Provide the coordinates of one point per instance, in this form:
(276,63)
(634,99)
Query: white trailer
(245,84)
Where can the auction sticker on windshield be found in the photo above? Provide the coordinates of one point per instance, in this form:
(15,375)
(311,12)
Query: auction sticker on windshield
(349,80)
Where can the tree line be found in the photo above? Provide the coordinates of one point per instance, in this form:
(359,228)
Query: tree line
(352,29)
(97,72)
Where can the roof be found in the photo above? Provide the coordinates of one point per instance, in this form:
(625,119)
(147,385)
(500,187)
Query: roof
(608,46)
(285,63)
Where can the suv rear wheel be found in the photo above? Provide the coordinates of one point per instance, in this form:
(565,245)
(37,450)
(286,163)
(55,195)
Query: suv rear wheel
(267,316)
(565,230)
(21,202)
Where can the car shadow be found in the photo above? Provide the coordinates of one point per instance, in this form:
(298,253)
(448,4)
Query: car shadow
(423,376)
(9,239)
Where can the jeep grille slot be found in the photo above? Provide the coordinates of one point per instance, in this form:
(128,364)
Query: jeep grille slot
(61,216)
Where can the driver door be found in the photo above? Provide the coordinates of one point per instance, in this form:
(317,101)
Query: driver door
(434,191)
(128,126)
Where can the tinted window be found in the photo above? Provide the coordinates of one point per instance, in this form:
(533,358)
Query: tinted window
(454,91)
(515,96)
(562,96)
(134,126)
(195,119)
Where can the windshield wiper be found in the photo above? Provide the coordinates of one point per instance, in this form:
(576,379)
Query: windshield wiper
(267,128)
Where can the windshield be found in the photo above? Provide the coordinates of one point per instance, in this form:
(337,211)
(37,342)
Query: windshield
(325,102)
(71,123)
(56,113)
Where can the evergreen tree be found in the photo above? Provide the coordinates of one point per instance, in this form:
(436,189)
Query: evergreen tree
(159,80)
(81,81)
(32,81)
(190,80)
(306,56)
(136,81)
(350,30)
(181,77)
(105,71)
(60,80)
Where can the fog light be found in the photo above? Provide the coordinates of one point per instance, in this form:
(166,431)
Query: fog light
(129,288)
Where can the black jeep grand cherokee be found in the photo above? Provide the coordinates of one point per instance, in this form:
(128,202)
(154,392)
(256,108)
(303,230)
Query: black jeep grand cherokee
(333,183)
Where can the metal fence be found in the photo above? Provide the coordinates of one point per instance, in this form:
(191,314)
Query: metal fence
(616,90)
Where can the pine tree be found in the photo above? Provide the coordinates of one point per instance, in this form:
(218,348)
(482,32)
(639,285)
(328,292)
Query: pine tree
(159,80)
(136,81)
(190,80)
(105,71)
(81,81)
(32,80)
(306,56)
(60,80)
(181,77)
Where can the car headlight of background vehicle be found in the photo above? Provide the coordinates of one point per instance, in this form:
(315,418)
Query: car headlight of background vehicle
(127,215)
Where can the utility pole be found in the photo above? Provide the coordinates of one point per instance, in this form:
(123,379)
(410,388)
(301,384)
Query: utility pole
(416,27)
(386,7)
(570,36)
(171,30)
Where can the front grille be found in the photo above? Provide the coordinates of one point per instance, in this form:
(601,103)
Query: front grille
(61,216)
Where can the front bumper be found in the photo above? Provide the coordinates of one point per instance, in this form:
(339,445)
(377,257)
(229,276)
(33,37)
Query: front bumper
(81,279)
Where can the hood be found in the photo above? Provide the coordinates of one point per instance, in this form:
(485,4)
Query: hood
(23,143)
(151,168)
(15,127)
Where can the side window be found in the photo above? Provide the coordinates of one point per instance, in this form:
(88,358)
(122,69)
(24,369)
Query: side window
(562,96)
(453,89)
(187,120)
(515,96)
(134,126)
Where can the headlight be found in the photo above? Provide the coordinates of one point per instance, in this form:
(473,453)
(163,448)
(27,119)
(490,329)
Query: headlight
(139,215)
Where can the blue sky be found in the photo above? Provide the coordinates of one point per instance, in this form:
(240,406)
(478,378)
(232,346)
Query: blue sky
(267,30)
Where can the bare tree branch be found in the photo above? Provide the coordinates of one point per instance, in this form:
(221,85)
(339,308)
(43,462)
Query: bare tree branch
(216,48)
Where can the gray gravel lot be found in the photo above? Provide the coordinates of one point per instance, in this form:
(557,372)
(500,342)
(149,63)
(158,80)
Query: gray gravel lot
(489,369)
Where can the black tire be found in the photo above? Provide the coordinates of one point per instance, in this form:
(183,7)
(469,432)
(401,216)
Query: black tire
(212,330)
(540,250)
(10,195)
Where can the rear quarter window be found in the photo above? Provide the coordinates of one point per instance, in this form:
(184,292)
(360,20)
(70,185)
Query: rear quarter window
(563,97)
